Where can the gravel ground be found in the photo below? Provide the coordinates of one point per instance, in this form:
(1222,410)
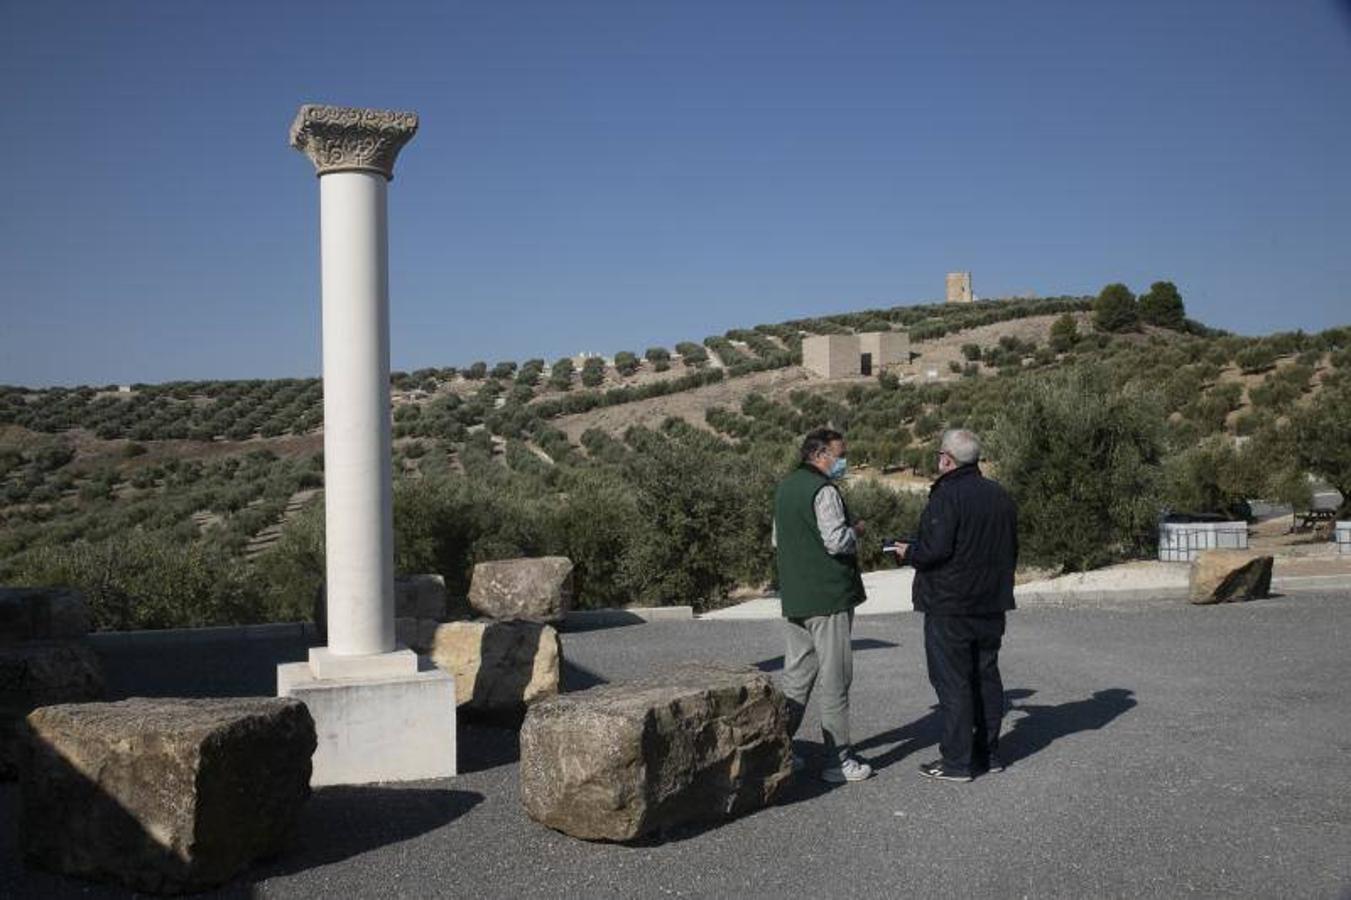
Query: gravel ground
(1155,752)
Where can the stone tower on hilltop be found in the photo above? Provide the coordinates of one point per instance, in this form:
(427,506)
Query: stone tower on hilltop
(959,287)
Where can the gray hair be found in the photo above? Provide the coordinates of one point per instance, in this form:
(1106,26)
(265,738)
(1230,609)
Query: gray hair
(962,445)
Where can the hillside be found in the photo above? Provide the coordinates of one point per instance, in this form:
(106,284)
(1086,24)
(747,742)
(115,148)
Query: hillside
(221,477)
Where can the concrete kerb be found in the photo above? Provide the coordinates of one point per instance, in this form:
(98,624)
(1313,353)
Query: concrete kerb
(266,632)
(889,591)
(588,618)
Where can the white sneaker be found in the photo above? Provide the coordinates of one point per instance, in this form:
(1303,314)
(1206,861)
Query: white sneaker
(849,770)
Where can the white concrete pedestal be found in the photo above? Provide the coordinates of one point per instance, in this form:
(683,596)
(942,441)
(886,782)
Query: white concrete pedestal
(383,718)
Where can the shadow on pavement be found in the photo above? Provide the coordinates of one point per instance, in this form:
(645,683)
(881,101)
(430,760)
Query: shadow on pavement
(342,822)
(903,741)
(775,664)
(1043,725)
(578,678)
(1034,732)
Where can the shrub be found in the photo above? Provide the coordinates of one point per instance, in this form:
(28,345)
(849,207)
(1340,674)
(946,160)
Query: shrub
(1064,333)
(1082,461)
(142,579)
(1162,305)
(1115,309)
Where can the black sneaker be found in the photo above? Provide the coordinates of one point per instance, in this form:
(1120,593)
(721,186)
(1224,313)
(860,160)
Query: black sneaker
(936,769)
(995,764)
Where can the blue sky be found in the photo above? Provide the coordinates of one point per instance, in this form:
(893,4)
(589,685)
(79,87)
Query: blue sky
(613,175)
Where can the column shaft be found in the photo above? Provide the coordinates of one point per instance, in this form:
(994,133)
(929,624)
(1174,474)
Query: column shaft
(357,470)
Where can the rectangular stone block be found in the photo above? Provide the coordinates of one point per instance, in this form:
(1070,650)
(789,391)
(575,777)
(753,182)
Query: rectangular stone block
(701,742)
(162,794)
(377,729)
(327,664)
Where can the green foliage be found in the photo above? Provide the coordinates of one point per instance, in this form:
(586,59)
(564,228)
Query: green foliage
(1256,358)
(1064,333)
(626,363)
(560,376)
(1115,309)
(593,371)
(691,353)
(1162,305)
(144,579)
(1082,461)
(1323,438)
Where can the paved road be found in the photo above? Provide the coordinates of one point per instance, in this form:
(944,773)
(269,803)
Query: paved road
(1157,752)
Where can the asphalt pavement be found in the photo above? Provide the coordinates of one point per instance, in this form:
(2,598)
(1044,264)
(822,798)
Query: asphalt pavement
(1153,752)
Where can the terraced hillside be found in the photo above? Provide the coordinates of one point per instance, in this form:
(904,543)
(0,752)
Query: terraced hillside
(209,486)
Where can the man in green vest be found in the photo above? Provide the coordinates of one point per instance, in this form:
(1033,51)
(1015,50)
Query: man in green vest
(819,585)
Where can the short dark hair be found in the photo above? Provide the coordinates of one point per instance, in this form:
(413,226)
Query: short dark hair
(816,441)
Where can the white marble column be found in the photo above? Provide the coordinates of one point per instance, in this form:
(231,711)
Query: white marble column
(354,151)
(381,714)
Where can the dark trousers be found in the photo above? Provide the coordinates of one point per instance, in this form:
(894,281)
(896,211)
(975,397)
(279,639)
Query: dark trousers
(963,657)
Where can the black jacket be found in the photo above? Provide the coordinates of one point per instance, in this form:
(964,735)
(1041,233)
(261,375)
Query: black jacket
(967,547)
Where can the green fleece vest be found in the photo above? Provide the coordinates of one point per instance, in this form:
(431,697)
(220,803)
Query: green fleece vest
(811,581)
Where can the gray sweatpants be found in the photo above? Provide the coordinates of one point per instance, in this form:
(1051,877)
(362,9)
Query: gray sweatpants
(819,654)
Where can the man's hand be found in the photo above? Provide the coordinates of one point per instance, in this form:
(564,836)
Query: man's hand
(858,528)
(901,550)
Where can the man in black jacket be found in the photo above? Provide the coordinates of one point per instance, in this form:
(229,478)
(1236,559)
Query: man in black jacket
(964,558)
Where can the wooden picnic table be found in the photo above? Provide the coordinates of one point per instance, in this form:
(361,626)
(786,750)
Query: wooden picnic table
(1311,519)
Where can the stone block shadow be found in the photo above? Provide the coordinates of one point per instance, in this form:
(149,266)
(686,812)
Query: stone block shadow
(341,822)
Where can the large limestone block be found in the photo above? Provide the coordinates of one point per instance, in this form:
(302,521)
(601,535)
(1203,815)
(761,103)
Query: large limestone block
(163,795)
(499,667)
(29,614)
(1222,576)
(702,742)
(40,673)
(539,589)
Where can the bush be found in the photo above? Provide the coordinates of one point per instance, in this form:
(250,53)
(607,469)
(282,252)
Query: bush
(1082,460)
(1256,358)
(1162,306)
(1064,334)
(1115,309)
(145,579)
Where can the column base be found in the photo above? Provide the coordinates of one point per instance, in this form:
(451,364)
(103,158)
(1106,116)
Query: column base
(377,718)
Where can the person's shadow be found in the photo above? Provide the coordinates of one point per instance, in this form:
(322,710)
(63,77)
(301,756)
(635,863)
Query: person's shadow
(1035,731)
(1044,724)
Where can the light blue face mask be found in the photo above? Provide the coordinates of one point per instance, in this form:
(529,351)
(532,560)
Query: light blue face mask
(838,468)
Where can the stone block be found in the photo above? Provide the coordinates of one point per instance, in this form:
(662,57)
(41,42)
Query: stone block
(499,667)
(163,795)
(38,614)
(388,728)
(537,590)
(41,673)
(420,597)
(1223,576)
(699,743)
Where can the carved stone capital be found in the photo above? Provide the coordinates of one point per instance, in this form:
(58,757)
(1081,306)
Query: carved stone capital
(347,139)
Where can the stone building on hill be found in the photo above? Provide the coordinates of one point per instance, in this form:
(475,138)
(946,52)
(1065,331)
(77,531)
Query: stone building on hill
(855,355)
(959,288)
